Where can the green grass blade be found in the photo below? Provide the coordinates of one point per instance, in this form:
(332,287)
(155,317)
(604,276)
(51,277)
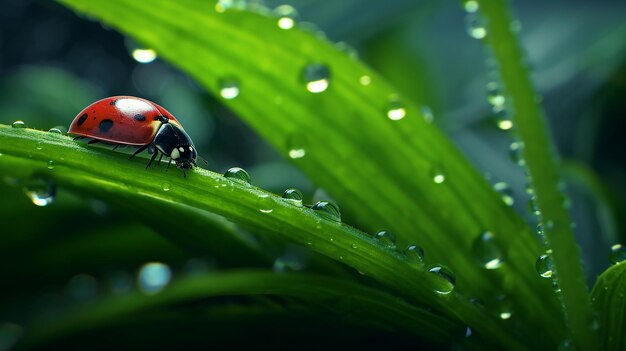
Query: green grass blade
(365,304)
(609,301)
(382,171)
(540,161)
(26,153)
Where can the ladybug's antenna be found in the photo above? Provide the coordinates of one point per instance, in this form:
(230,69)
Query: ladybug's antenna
(203,160)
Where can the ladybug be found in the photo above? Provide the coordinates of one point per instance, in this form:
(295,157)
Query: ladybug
(129,120)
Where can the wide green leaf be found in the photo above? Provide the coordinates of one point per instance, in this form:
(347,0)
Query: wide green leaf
(609,301)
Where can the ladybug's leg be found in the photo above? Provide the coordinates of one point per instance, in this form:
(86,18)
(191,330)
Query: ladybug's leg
(160,158)
(93,141)
(115,147)
(168,164)
(154,155)
(139,150)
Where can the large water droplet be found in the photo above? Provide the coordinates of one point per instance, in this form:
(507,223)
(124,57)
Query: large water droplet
(446,278)
(41,191)
(505,192)
(486,250)
(395,110)
(266,204)
(386,238)
(414,254)
(618,254)
(544,266)
(327,210)
(316,77)
(287,16)
(294,195)
(153,277)
(229,88)
(18,124)
(237,173)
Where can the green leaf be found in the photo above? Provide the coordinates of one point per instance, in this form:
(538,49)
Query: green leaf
(539,158)
(385,173)
(361,304)
(25,154)
(609,301)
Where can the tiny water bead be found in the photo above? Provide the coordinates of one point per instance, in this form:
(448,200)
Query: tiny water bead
(327,210)
(503,120)
(386,238)
(296,146)
(618,254)
(427,114)
(414,254)
(471,6)
(504,309)
(446,278)
(18,124)
(166,186)
(544,266)
(516,150)
(41,191)
(505,192)
(50,164)
(294,195)
(486,250)
(229,88)
(287,16)
(438,176)
(237,173)
(494,95)
(316,77)
(396,110)
(475,26)
(153,277)
(39,145)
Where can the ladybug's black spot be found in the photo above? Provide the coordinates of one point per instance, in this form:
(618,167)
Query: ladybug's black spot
(140,117)
(113,102)
(81,120)
(105,125)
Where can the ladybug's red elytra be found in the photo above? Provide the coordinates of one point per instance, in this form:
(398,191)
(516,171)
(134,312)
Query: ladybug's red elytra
(129,120)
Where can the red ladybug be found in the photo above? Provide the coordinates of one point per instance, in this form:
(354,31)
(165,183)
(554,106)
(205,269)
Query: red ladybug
(128,120)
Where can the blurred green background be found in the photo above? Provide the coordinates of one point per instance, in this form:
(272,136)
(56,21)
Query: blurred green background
(54,63)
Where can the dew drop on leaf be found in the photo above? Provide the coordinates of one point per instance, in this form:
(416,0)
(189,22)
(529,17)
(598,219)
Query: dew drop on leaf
(294,195)
(544,266)
(229,88)
(395,110)
(618,254)
(327,210)
(18,124)
(50,164)
(316,77)
(486,250)
(446,278)
(287,16)
(237,173)
(386,238)
(414,254)
(41,191)
(505,192)
(55,131)
(153,277)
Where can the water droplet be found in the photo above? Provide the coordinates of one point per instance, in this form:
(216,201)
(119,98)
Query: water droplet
(386,238)
(267,204)
(494,94)
(475,26)
(153,277)
(41,191)
(468,332)
(396,110)
(39,145)
(486,250)
(414,254)
(237,173)
(317,77)
(287,16)
(50,164)
(504,309)
(618,254)
(438,176)
(166,186)
(294,195)
(365,80)
(229,88)
(540,230)
(544,266)
(327,210)
(446,281)
(55,131)
(427,114)
(83,287)
(533,206)
(505,192)
(296,146)
(471,6)
(18,124)
(516,152)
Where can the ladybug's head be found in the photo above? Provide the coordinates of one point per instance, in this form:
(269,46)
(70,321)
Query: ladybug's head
(184,156)
(172,141)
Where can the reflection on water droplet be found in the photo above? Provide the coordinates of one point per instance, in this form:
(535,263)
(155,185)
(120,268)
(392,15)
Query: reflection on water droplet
(494,94)
(229,88)
(55,131)
(471,6)
(475,26)
(438,176)
(144,55)
(414,254)
(18,124)
(296,146)
(287,16)
(294,195)
(365,80)
(618,254)
(386,238)
(39,145)
(327,210)
(50,164)
(237,173)
(516,151)
(544,266)
(266,204)
(446,278)
(486,250)
(166,186)
(153,277)
(316,77)
(505,191)
(395,110)
(41,191)
(504,309)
